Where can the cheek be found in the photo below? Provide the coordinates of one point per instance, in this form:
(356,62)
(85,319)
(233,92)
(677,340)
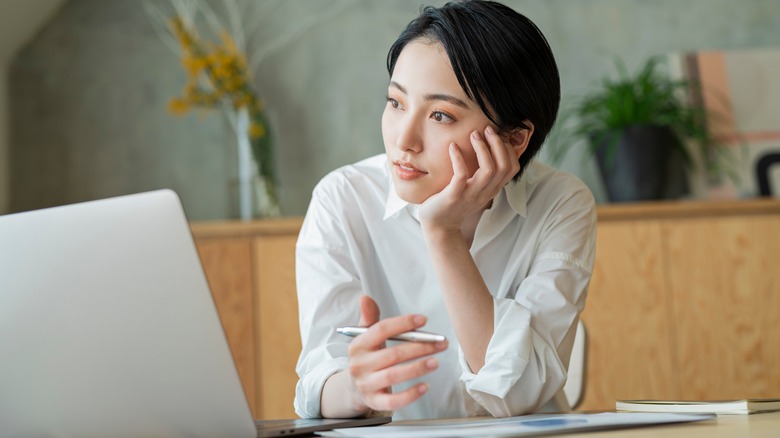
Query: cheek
(441,145)
(386,130)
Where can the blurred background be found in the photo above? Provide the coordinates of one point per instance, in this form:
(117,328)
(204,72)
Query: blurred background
(85,87)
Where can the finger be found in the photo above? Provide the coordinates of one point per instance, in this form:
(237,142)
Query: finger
(460,173)
(384,329)
(501,153)
(393,401)
(487,167)
(505,161)
(397,354)
(369,311)
(394,375)
(513,157)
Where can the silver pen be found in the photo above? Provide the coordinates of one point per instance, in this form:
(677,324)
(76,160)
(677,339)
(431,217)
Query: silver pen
(413,336)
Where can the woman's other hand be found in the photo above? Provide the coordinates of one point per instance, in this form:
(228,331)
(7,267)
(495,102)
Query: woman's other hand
(375,368)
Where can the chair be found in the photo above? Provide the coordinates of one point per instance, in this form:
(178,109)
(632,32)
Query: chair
(575,383)
(762,172)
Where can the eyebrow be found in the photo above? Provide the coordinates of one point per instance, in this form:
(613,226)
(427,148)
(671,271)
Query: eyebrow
(429,97)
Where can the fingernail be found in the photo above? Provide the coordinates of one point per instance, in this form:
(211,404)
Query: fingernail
(432,363)
(489,130)
(422,388)
(475,134)
(419,319)
(441,345)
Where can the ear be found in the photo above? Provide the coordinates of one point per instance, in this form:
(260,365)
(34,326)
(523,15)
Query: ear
(519,138)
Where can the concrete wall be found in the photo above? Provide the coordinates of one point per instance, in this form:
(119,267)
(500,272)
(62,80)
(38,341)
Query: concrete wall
(4,140)
(89,94)
(20,20)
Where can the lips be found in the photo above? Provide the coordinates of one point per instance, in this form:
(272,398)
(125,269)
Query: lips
(407,171)
(408,166)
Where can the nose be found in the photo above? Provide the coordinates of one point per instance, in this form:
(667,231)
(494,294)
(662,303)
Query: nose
(409,136)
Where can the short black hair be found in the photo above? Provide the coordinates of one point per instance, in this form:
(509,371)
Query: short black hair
(501,59)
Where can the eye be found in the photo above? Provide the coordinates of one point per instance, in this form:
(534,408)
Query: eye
(442,117)
(394,103)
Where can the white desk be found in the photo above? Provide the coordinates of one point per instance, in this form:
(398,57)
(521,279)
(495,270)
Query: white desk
(725,426)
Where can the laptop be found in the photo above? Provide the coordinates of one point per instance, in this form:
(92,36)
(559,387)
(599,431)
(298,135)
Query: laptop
(108,329)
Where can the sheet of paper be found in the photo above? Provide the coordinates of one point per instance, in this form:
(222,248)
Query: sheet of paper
(528,425)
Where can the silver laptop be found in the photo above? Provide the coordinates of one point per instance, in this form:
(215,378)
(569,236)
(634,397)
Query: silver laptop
(108,328)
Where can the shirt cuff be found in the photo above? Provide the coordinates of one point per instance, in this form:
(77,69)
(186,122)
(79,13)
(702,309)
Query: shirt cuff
(506,359)
(308,391)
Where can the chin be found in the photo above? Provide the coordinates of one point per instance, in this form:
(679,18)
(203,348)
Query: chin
(411,196)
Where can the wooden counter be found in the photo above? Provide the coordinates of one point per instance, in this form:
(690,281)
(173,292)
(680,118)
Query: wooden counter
(684,302)
(251,270)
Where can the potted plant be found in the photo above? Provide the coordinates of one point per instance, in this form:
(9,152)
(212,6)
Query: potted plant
(636,127)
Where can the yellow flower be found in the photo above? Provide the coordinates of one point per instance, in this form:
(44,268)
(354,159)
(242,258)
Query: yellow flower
(193,64)
(216,73)
(178,106)
(182,34)
(228,42)
(256,130)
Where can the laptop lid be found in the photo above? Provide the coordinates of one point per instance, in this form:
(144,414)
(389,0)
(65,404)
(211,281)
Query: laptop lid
(108,327)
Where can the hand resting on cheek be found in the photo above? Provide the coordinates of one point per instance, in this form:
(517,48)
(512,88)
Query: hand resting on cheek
(467,195)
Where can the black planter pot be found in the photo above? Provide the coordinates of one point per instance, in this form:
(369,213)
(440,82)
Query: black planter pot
(645,164)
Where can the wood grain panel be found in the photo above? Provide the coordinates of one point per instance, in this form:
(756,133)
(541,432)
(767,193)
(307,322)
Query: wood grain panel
(687,209)
(286,226)
(684,303)
(227,264)
(278,336)
(725,283)
(627,318)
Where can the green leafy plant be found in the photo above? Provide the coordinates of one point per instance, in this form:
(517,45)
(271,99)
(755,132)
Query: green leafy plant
(649,98)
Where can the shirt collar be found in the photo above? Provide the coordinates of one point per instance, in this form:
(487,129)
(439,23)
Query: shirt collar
(394,203)
(515,192)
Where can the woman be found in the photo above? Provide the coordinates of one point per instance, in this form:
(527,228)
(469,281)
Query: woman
(454,229)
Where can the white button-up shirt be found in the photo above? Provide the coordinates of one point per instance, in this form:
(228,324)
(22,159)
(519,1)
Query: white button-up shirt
(534,248)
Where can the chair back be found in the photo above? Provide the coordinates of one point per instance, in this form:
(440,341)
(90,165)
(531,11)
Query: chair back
(575,383)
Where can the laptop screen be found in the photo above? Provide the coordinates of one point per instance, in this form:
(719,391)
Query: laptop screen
(108,327)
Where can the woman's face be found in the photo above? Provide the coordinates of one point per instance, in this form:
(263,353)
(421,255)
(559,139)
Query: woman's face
(426,111)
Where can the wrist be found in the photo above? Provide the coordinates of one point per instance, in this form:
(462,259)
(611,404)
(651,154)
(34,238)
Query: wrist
(434,233)
(334,403)
(356,402)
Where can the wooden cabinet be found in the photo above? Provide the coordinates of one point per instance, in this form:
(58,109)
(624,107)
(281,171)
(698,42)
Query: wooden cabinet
(684,303)
(251,270)
(726,307)
(627,317)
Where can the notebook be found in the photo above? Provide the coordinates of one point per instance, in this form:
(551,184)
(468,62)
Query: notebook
(108,328)
(745,406)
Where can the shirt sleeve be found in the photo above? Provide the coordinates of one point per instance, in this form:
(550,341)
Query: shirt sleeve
(527,357)
(328,295)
